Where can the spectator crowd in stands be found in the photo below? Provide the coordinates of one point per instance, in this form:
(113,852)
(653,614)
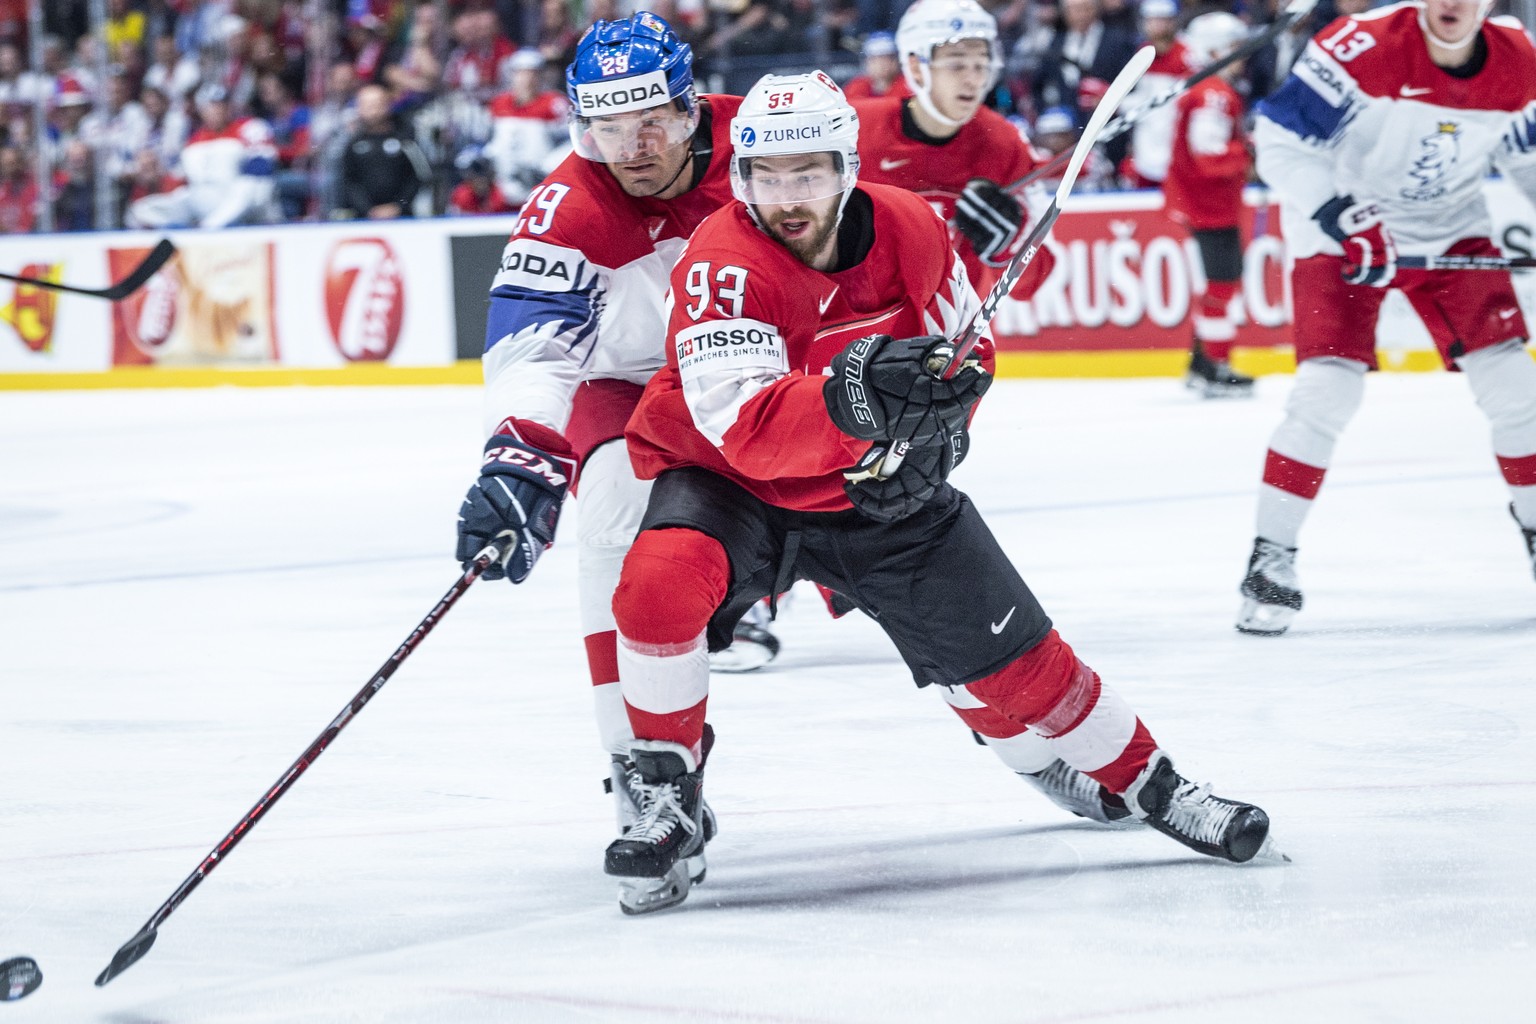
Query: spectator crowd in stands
(214,112)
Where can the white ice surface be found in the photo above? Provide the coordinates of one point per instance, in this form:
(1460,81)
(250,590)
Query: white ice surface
(193,583)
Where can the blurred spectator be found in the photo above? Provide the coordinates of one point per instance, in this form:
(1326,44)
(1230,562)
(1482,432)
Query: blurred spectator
(527,127)
(18,193)
(383,169)
(475,63)
(279,106)
(1268,68)
(146,177)
(330,127)
(1083,58)
(478,193)
(1123,15)
(168,124)
(170,72)
(1056,132)
(124,25)
(227,165)
(557,33)
(71,103)
(74,189)
(120,130)
(365,42)
(13,22)
(416,72)
(882,70)
(1152,138)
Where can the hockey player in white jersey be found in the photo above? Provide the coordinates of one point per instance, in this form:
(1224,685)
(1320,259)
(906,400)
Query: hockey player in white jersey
(577,323)
(1378,143)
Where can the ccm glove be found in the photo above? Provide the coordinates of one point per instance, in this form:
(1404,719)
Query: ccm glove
(1370,254)
(516,503)
(884,389)
(989,218)
(915,481)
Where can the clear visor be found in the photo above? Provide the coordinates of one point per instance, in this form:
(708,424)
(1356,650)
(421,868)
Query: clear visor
(782,181)
(635,135)
(969,68)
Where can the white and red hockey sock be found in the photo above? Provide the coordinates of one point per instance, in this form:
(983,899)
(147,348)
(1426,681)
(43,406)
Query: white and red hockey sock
(1214,325)
(1326,395)
(1016,745)
(673,580)
(1503,379)
(1087,724)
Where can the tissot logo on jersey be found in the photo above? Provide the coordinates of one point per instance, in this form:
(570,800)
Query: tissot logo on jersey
(703,341)
(626,94)
(737,341)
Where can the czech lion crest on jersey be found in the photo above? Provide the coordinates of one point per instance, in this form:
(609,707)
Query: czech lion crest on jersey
(1438,153)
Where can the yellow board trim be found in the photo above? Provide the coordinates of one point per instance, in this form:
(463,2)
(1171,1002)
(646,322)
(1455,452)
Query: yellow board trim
(1120,363)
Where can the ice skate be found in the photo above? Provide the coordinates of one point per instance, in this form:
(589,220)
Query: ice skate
(652,856)
(1198,818)
(621,782)
(1073,791)
(1271,592)
(752,645)
(1215,378)
(1530,537)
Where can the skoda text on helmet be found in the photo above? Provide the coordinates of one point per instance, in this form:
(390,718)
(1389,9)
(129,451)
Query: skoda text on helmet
(1212,36)
(929,24)
(622,71)
(786,115)
(1483,8)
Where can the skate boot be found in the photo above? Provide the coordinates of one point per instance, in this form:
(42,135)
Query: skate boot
(1530,537)
(752,645)
(1198,818)
(622,779)
(1071,790)
(1215,378)
(1271,592)
(651,857)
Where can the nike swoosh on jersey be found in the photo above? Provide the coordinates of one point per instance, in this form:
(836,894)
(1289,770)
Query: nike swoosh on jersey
(824,303)
(891,165)
(1505,314)
(1409,90)
(998,627)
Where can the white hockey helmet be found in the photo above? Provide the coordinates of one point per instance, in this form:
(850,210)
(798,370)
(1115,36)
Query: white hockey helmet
(1212,36)
(1483,10)
(929,24)
(784,115)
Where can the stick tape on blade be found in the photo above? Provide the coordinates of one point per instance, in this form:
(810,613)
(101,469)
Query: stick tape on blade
(19,978)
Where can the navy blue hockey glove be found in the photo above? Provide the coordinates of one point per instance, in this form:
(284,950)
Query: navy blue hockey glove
(1370,254)
(884,389)
(921,473)
(989,218)
(516,502)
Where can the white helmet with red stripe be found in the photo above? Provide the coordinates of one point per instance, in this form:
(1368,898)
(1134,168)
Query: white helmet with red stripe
(785,115)
(929,24)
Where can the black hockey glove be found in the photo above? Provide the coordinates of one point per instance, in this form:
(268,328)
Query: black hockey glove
(516,502)
(915,481)
(989,218)
(884,389)
(1370,254)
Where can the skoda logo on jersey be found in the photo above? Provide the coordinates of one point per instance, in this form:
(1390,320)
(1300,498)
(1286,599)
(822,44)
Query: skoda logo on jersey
(624,95)
(748,136)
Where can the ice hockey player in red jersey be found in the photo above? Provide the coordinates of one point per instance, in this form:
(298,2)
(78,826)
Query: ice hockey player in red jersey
(943,144)
(1378,144)
(577,323)
(803,318)
(1204,192)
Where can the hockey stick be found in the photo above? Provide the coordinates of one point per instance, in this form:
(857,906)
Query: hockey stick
(135,948)
(146,269)
(1466,263)
(1122,123)
(944,360)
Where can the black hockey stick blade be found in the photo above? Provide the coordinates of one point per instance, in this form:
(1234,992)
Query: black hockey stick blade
(19,978)
(133,950)
(151,264)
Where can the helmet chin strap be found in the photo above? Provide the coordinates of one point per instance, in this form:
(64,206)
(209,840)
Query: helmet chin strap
(1477,26)
(924,96)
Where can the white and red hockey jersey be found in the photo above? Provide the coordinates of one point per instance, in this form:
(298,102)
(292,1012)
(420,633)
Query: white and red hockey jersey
(753,330)
(1365,112)
(1152,138)
(987,146)
(1209,165)
(580,293)
(228,171)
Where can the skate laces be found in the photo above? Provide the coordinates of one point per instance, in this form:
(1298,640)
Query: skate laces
(1196,813)
(660,807)
(1274,562)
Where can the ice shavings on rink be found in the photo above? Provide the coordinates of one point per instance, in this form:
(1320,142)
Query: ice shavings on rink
(193,583)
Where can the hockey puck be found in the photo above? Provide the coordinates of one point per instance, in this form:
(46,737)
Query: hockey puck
(19,978)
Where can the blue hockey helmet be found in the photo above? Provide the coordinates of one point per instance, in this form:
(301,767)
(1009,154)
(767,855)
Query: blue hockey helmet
(623,68)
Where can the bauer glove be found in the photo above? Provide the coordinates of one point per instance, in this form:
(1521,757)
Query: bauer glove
(884,389)
(990,219)
(515,503)
(1370,254)
(919,477)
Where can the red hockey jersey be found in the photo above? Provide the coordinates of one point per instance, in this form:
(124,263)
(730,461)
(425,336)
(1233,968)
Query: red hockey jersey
(753,330)
(986,147)
(1209,167)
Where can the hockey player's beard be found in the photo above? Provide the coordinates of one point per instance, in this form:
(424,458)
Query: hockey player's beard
(803,231)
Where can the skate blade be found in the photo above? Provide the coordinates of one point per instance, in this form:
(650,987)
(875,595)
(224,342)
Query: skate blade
(741,656)
(648,895)
(1209,390)
(1269,853)
(1264,619)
